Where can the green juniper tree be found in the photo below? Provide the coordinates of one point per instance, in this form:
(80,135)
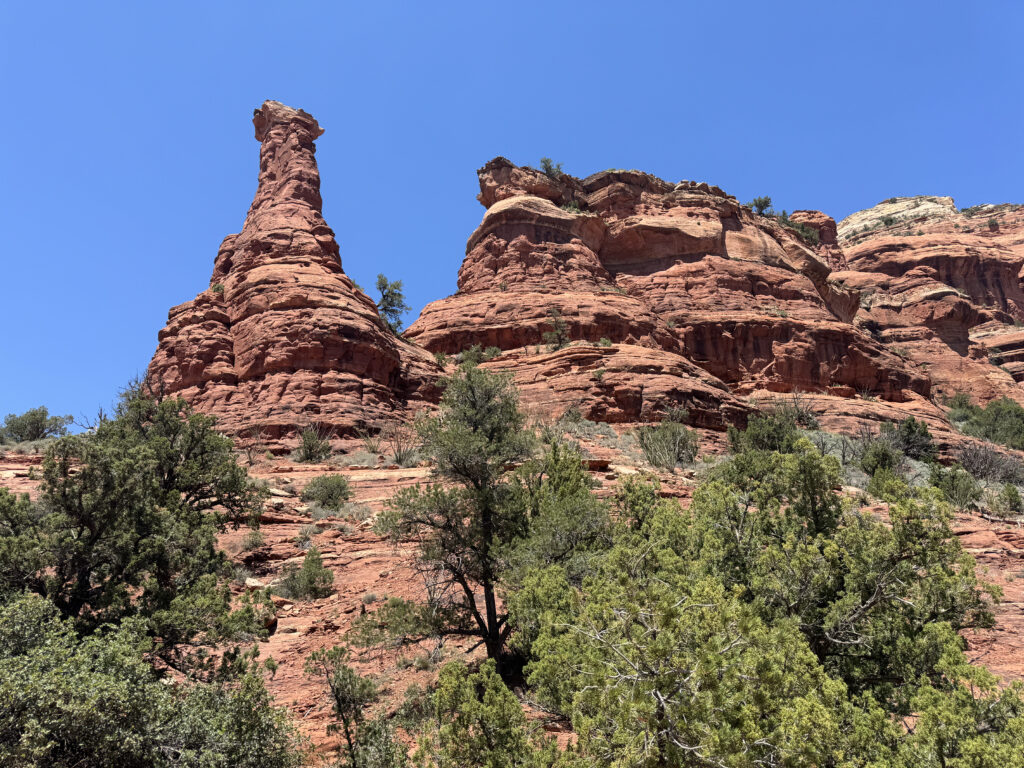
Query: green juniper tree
(126,525)
(34,424)
(392,303)
(465,523)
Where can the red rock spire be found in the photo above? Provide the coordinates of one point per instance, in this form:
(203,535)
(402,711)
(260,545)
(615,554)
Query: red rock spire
(283,338)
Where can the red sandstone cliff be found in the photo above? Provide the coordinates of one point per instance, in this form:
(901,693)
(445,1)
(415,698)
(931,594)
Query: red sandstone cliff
(942,287)
(701,299)
(670,295)
(283,339)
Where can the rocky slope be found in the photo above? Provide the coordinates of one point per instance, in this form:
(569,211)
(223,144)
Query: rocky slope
(283,339)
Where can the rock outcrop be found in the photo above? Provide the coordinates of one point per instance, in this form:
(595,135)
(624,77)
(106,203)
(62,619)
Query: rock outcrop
(283,339)
(942,288)
(679,280)
(620,295)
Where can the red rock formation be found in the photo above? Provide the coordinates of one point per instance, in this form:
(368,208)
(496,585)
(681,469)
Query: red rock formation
(283,338)
(682,274)
(942,288)
(828,237)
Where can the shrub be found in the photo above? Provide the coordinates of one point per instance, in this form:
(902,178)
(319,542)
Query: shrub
(481,723)
(550,168)
(558,336)
(880,454)
(472,356)
(775,431)
(1008,503)
(252,540)
(77,702)
(217,288)
(310,582)
(798,410)
(668,445)
(1000,421)
(808,234)
(960,489)
(371,442)
(888,486)
(441,358)
(367,744)
(402,442)
(34,424)
(491,352)
(911,437)
(761,204)
(314,447)
(985,462)
(329,491)
(993,225)
(960,407)
(604,342)
(572,206)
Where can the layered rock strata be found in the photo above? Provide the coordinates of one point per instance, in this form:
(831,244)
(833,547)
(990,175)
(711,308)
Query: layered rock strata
(942,288)
(699,289)
(283,339)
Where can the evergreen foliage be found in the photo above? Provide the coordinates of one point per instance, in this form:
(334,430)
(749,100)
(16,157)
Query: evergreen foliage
(126,524)
(311,581)
(911,437)
(669,444)
(314,447)
(1000,421)
(465,522)
(329,491)
(392,303)
(71,700)
(760,204)
(34,424)
(558,337)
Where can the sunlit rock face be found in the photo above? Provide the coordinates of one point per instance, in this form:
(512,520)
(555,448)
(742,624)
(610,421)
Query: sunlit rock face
(283,339)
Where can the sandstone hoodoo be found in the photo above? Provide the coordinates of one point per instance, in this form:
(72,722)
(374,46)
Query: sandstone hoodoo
(679,281)
(282,339)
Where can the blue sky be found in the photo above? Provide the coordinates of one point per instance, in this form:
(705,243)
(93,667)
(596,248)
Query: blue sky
(128,148)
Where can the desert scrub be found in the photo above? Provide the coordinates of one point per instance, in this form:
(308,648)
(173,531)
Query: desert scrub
(359,459)
(308,582)
(669,444)
(313,447)
(252,540)
(329,491)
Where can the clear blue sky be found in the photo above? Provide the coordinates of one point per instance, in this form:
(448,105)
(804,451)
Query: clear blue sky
(128,151)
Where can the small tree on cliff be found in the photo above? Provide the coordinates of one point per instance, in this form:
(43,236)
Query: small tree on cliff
(392,303)
(558,337)
(466,524)
(761,204)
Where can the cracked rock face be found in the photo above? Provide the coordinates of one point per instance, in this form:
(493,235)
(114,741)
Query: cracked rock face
(283,339)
